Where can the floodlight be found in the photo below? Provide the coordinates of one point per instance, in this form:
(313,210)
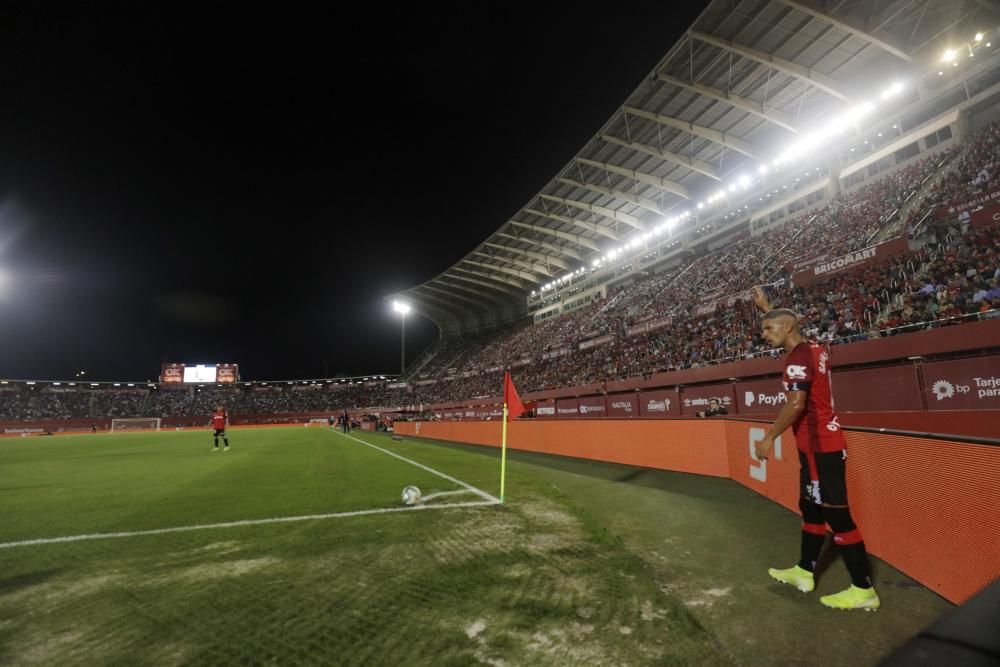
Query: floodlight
(400,307)
(732,188)
(744,181)
(701,205)
(949,55)
(762,169)
(979,36)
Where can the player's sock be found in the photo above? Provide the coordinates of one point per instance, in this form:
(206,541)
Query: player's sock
(813,537)
(813,534)
(852,546)
(856,559)
(226,440)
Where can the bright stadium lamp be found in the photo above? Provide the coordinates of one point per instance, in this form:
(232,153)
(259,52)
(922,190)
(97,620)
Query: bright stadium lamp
(949,55)
(402,309)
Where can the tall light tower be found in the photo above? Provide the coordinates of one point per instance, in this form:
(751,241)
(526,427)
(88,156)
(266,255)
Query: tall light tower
(402,309)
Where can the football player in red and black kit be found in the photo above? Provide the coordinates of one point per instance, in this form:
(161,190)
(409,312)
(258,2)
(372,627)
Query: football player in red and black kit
(219,419)
(822,457)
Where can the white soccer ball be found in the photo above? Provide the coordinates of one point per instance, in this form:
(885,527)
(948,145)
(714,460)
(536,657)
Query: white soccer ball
(410,495)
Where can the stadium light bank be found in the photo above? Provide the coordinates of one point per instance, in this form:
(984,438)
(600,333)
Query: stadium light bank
(834,128)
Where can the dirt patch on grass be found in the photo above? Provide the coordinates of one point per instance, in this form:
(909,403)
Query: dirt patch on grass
(547,513)
(171,654)
(233,568)
(64,590)
(473,630)
(48,649)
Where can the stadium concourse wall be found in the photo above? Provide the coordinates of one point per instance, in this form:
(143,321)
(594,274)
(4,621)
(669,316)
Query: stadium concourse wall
(927,506)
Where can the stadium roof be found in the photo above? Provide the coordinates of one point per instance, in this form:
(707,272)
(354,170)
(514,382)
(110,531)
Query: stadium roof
(746,78)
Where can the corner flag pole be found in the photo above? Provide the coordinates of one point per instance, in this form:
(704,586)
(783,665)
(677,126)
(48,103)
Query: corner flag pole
(503,453)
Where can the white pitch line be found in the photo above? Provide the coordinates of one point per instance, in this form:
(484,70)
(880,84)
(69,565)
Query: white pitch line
(479,492)
(431,496)
(237,524)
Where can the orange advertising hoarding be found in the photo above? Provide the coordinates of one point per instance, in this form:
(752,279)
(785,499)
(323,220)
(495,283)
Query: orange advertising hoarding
(929,507)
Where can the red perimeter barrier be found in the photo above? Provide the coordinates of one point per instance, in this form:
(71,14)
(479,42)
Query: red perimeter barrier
(929,507)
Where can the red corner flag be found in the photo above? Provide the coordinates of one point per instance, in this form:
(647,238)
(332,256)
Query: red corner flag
(515,408)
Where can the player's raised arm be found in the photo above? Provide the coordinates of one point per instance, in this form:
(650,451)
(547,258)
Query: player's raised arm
(760,298)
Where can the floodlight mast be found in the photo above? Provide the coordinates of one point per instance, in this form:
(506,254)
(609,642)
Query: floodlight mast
(402,308)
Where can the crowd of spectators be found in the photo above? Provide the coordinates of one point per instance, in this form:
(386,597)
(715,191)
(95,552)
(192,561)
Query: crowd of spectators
(976,170)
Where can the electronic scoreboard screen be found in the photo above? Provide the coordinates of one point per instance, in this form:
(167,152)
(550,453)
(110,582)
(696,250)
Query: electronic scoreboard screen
(199,373)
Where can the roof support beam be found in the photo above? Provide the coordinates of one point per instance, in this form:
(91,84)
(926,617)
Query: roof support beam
(721,138)
(642,177)
(589,226)
(567,252)
(520,275)
(448,300)
(643,202)
(530,266)
(503,302)
(439,315)
(477,316)
(490,277)
(629,220)
(575,238)
(475,281)
(817,79)
(454,294)
(547,259)
(691,163)
(857,32)
(741,103)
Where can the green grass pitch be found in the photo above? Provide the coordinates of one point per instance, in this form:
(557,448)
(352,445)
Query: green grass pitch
(534,581)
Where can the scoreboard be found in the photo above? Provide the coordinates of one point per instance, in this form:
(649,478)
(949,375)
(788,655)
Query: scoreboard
(199,373)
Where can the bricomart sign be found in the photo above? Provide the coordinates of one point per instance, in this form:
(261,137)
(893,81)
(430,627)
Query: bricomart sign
(850,260)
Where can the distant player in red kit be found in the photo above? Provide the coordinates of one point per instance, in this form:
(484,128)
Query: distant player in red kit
(219,419)
(822,457)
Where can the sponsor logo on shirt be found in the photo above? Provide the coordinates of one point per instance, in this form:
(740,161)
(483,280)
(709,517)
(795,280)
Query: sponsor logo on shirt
(795,372)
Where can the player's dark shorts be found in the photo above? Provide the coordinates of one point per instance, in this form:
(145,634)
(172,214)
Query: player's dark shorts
(220,431)
(823,477)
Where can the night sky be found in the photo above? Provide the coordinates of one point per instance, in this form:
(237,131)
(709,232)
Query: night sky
(209,185)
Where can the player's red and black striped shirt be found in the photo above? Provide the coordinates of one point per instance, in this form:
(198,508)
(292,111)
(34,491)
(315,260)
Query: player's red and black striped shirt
(807,368)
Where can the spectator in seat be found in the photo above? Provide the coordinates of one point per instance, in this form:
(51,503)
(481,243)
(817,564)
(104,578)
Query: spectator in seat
(714,408)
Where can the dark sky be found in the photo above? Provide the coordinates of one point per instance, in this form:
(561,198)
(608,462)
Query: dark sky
(210,185)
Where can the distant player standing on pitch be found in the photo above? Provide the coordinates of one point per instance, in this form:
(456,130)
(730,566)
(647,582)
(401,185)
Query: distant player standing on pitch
(219,419)
(822,457)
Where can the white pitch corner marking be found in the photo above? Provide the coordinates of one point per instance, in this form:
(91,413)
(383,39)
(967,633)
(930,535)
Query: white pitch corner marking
(479,492)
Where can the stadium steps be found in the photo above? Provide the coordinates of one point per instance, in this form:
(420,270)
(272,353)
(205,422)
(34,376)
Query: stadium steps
(425,358)
(945,167)
(781,251)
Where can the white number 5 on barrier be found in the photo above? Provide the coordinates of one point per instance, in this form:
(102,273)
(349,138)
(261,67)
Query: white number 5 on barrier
(759,472)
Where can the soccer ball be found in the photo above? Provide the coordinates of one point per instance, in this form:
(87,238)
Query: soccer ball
(410,495)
